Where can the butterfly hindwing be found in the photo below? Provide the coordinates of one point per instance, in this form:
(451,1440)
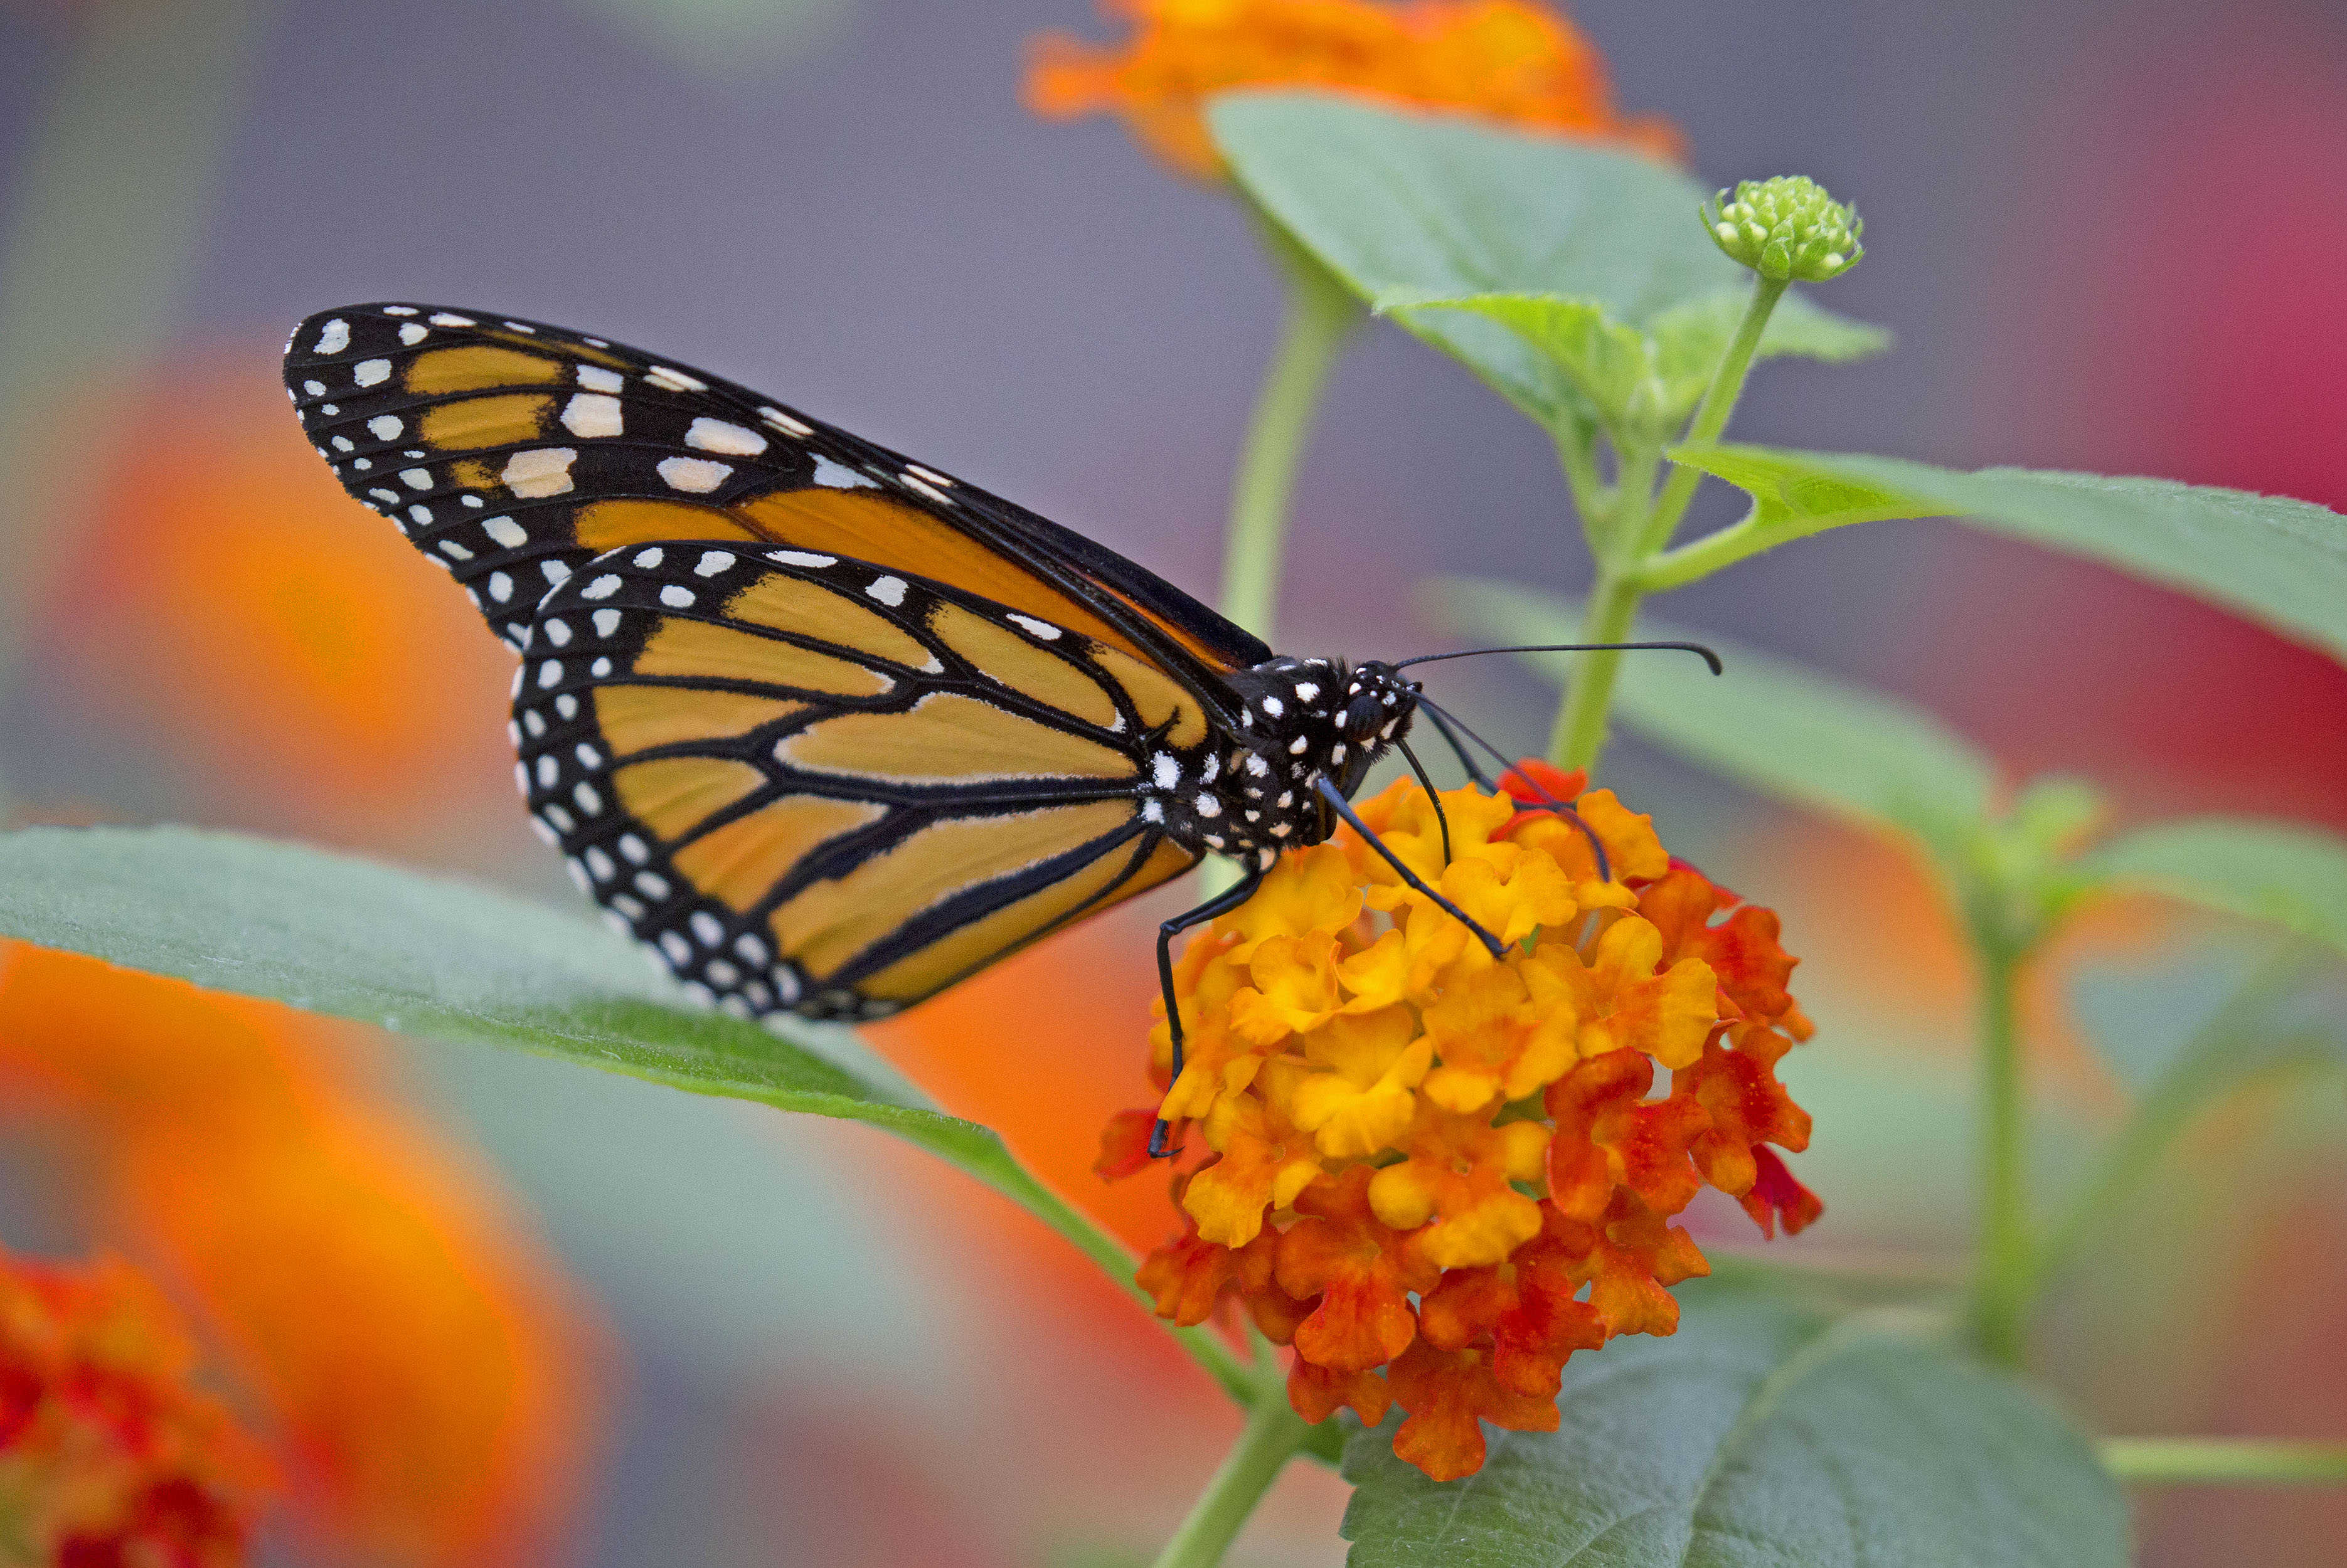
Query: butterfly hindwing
(812,783)
(512,451)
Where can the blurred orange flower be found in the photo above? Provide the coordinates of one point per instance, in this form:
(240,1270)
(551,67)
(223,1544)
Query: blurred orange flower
(297,662)
(1513,61)
(427,1372)
(1387,1111)
(107,1454)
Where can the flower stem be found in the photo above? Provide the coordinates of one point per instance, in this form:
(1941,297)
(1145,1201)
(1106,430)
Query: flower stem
(1273,1435)
(1320,314)
(1711,415)
(1639,530)
(2224,1461)
(2003,1259)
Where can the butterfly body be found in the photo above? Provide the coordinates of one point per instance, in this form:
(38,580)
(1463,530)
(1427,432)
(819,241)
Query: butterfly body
(827,729)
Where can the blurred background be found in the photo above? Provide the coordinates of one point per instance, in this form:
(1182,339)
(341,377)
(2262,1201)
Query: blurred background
(499,1311)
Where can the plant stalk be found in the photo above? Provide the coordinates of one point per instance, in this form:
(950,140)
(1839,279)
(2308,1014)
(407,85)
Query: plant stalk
(1712,413)
(2003,1256)
(2224,1461)
(1319,315)
(1273,1435)
(1639,531)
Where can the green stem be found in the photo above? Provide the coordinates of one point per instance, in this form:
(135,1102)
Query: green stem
(1273,1435)
(1205,1346)
(2224,1461)
(1579,732)
(2002,1261)
(1711,415)
(1320,314)
(1638,532)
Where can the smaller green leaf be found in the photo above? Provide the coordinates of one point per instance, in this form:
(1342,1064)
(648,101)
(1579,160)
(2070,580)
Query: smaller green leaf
(1643,383)
(2291,874)
(1766,722)
(1690,338)
(1610,365)
(1766,1433)
(2280,562)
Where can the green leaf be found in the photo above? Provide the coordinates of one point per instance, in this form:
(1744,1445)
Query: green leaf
(1644,384)
(2291,874)
(2280,562)
(1412,210)
(1773,725)
(443,959)
(434,957)
(1766,1432)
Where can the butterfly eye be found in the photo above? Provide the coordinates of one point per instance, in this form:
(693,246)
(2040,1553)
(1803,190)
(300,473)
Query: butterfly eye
(1364,716)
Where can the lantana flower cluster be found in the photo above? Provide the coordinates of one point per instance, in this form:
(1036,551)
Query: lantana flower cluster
(1437,1175)
(107,1454)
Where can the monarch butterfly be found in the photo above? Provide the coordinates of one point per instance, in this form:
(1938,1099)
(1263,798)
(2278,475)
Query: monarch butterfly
(825,727)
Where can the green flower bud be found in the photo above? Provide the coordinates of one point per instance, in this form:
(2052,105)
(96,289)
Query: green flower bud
(1788,229)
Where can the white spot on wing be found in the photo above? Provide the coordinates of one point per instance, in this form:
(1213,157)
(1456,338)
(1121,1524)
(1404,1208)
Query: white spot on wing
(334,338)
(840,476)
(505,531)
(595,378)
(1043,628)
(712,562)
(1167,769)
(543,471)
(412,334)
(801,557)
(449,319)
(889,591)
(603,587)
(676,596)
(370,371)
(607,622)
(784,423)
(675,380)
(694,476)
(592,413)
(718,435)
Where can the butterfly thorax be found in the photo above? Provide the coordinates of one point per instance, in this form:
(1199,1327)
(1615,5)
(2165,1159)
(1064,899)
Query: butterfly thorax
(1303,720)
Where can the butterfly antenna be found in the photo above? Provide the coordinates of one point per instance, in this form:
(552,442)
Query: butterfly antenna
(1440,821)
(1466,758)
(1547,800)
(1335,797)
(1698,649)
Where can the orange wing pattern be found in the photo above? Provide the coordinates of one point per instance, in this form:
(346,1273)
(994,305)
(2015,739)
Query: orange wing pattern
(813,784)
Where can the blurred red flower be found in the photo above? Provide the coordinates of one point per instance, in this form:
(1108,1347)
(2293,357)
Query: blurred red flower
(109,1457)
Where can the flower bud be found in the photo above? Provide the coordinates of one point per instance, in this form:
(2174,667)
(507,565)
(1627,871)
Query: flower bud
(1788,229)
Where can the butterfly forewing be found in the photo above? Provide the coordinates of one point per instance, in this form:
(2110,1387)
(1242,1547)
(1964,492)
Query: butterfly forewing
(511,452)
(815,783)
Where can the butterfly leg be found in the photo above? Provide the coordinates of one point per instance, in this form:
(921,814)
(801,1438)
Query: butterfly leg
(1335,797)
(1220,903)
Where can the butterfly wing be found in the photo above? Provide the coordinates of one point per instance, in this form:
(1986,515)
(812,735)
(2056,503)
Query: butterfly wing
(512,451)
(814,785)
